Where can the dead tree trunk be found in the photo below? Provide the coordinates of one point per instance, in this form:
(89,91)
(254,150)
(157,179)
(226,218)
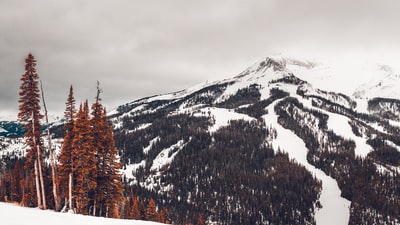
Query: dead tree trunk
(39,198)
(52,158)
(70,191)
(39,164)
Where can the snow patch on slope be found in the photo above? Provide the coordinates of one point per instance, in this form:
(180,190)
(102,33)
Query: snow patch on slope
(222,116)
(12,146)
(332,202)
(131,169)
(164,157)
(340,125)
(385,86)
(152,142)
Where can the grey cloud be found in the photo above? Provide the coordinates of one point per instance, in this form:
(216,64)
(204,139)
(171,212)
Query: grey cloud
(141,48)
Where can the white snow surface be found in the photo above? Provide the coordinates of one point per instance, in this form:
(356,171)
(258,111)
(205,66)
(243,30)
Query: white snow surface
(163,158)
(335,209)
(131,169)
(222,116)
(2,130)
(147,149)
(340,125)
(359,78)
(12,146)
(11,214)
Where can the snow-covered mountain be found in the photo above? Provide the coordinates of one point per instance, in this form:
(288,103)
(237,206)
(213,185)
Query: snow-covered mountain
(385,87)
(329,133)
(359,79)
(286,141)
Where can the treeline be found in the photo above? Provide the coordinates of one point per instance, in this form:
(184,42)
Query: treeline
(231,176)
(257,109)
(359,180)
(247,95)
(378,140)
(289,79)
(385,107)
(338,99)
(136,208)
(85,178)
(244,180)
(366,118)
(88,162)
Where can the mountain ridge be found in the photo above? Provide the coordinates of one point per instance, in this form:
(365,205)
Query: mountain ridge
(264,147)
(247,97)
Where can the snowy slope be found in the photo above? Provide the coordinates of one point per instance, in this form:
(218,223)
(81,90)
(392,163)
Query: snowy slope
(384,85)
(15,215)
(332,203)
(337,92)
(360,79)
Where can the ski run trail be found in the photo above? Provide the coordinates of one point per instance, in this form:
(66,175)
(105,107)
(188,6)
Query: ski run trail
(335,209)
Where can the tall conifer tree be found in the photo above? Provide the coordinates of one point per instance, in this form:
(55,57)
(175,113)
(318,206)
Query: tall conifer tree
(65,158)
(16,192)
(84,161)
(136,209)
(151,211)
(29,114)
(109,185)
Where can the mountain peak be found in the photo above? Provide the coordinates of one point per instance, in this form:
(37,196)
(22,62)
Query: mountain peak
(275,63)
(281,63)
(275,68)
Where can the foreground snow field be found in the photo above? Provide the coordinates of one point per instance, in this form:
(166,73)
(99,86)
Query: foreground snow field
(11,214)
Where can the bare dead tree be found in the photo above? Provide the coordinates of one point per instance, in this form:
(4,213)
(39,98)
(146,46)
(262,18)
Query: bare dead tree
(39,167)
(53,163)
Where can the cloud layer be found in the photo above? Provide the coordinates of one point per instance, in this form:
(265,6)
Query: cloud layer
(141,48)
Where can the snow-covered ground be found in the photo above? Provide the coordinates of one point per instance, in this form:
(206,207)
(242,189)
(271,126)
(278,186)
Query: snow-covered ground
(335,209)
(222,116)
(164,158)
(11,214)
(340,125)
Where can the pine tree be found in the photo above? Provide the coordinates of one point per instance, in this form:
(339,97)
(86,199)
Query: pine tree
(200,220)
(29,114)
(109,185)
(112,175)
(151,211)
(16,192)
(164,216)
(136,209)
(160,217)
(65,158)
(128,212)
(84,161)
(99,143)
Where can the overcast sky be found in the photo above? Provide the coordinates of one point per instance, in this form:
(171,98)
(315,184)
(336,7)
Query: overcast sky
(142,48)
